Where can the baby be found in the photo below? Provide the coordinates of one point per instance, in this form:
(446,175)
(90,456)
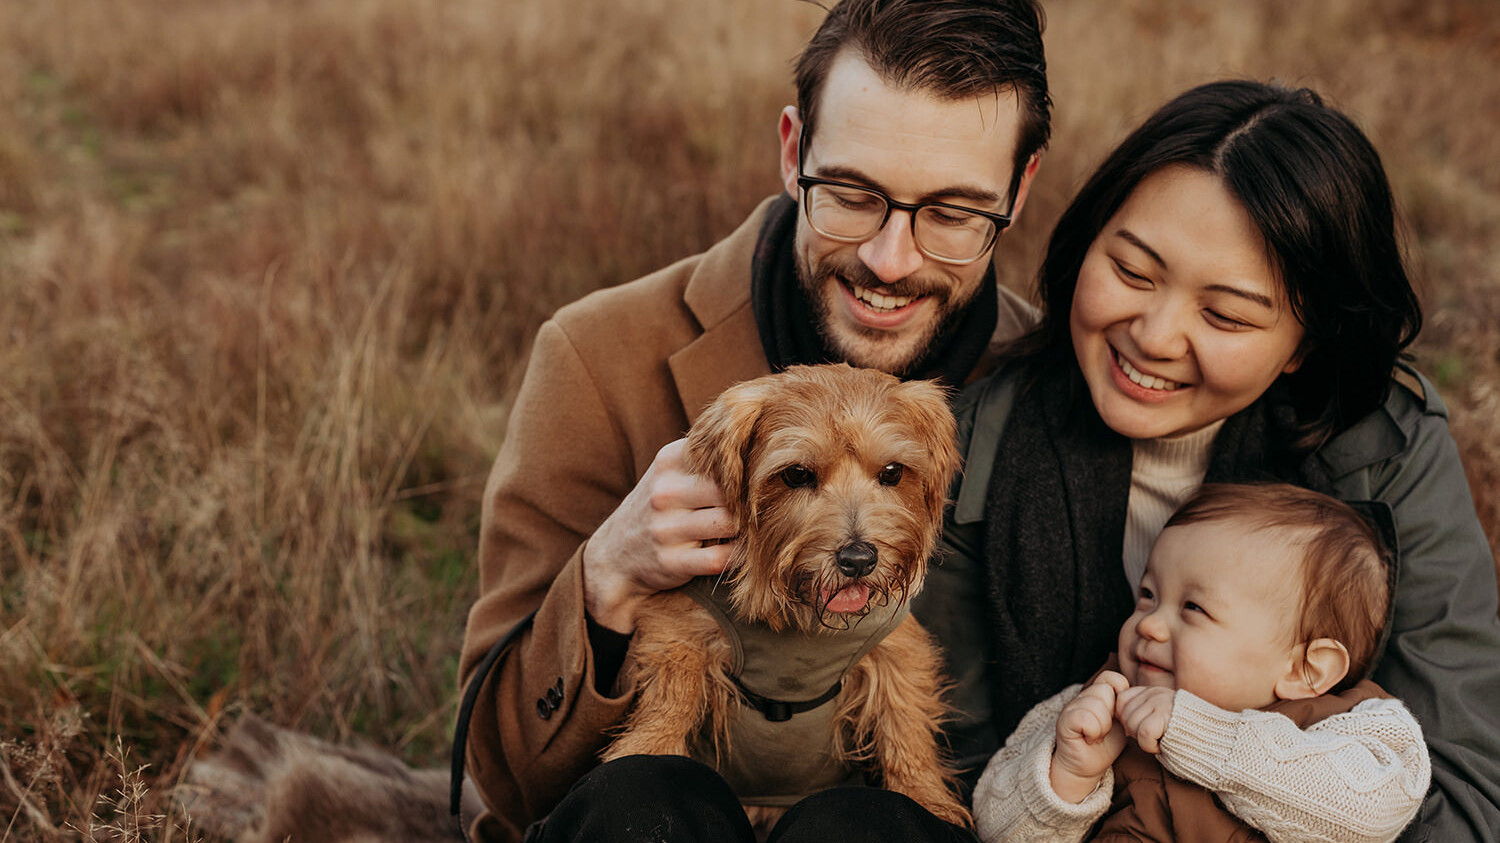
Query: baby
(1260,610)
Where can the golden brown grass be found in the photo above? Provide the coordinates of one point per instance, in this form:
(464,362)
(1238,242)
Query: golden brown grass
(268,270)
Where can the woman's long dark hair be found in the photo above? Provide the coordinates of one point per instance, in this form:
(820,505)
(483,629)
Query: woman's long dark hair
(1314,187)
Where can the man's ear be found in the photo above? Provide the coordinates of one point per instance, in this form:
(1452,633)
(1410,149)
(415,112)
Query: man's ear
(1319,665)
(1023,188)
(790,128)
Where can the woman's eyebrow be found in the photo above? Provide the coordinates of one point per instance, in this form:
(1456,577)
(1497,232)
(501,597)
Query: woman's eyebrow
(1129,236)
(1247,294)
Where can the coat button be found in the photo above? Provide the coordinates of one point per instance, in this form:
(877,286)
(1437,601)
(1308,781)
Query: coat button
(543,710)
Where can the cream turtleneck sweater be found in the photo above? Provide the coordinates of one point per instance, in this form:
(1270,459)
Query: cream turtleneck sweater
(1164,473)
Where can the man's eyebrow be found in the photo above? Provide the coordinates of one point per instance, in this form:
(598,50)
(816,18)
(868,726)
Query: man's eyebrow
(1247,294)
(974,194)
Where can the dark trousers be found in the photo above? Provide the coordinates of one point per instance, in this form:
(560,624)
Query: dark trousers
(666,799)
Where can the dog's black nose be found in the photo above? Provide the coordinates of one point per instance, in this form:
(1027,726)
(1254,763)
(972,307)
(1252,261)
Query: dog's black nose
(856,559)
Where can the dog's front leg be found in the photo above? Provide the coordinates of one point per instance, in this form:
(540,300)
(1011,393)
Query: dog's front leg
(677,662)
(893,705)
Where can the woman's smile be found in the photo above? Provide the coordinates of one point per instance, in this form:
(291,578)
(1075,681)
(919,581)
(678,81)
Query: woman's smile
(1144,382)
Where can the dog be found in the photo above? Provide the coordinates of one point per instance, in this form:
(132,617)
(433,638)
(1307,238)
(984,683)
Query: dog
(837,478)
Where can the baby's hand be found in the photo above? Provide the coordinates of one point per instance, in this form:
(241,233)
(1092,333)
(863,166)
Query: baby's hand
(1088,738)
(1145,713)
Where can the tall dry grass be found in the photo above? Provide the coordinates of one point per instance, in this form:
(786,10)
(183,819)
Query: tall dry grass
(268,270)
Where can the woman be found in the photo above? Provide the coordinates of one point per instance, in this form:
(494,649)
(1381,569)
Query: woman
(1223,301)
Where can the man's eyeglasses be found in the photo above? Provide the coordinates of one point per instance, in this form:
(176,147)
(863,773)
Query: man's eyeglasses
(850,213)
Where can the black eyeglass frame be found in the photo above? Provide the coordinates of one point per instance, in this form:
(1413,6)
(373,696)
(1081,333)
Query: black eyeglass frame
(804,181)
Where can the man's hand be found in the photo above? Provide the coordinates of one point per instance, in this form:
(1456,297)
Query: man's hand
(655,540)
(1145,713)
(1088,738)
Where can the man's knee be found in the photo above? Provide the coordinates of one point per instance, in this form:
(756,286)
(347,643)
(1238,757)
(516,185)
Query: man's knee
(647,797)
(863,814)
(654,779)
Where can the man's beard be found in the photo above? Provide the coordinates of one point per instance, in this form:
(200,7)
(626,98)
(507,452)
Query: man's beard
(873,348)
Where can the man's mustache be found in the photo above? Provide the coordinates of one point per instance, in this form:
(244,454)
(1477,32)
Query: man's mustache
(859,275)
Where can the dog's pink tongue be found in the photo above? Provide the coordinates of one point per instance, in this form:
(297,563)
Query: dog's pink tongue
(850,598)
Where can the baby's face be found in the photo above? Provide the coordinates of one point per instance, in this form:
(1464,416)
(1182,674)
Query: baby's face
(1216,614)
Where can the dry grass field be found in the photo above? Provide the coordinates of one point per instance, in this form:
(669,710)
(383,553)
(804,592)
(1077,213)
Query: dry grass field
(269,270)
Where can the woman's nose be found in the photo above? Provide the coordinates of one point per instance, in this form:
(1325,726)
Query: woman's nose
(892,253)
(1158,331)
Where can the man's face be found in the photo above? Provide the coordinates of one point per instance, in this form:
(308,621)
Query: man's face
(880,303)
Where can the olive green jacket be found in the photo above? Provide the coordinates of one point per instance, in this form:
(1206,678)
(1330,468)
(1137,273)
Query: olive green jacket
(1442,657)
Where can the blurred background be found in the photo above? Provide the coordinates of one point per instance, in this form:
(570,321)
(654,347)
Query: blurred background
(269,270)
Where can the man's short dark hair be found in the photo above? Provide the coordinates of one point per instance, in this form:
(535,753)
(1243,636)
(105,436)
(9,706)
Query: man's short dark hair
(953,49)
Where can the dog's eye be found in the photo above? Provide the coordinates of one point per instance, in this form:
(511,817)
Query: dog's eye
(891,474)
(797,477)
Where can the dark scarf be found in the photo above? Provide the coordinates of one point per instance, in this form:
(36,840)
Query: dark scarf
(1055,527)
(787,321)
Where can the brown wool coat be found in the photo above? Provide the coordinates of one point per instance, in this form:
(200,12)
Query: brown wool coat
(612,378)
(1151,804)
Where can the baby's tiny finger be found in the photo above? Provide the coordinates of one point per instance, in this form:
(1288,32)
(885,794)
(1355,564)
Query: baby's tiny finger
(1115,680)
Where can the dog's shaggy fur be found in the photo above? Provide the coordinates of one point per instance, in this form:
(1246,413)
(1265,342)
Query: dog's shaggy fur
(812,462)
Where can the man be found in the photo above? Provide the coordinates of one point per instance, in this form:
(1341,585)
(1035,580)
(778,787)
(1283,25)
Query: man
(917,133)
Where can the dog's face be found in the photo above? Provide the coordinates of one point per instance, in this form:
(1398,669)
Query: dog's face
(837,478)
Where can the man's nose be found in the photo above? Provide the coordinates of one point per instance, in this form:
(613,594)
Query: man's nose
(1158,331)
(892,253)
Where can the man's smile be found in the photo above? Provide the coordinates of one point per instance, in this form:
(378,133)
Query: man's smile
(880,302)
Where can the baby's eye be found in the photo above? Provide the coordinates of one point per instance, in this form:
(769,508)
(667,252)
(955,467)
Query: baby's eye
(1146,596)
(1194,607)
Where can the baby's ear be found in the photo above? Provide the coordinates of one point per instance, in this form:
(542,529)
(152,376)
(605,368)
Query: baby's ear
(1319,665)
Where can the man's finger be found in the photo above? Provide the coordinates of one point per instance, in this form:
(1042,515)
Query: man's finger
(706,561)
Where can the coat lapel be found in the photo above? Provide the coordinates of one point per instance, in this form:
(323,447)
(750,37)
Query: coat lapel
(718,294)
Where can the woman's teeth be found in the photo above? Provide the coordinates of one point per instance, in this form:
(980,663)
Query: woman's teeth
(1148,381)
(877,301)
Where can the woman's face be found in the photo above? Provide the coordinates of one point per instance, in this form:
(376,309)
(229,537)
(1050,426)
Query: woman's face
(1178,319)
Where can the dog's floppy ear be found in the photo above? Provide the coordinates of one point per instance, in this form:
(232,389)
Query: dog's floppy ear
(932,421)
(719,442)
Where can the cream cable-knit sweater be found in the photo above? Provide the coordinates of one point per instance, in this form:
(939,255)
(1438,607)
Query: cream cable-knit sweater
(1358,776)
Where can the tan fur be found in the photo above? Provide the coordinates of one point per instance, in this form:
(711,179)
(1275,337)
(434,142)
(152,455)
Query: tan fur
(845,426)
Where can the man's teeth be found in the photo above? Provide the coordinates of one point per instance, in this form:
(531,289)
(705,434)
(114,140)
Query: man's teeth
(877,301)
(1148,381)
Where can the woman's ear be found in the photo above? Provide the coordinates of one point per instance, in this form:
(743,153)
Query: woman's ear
(1318,665)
